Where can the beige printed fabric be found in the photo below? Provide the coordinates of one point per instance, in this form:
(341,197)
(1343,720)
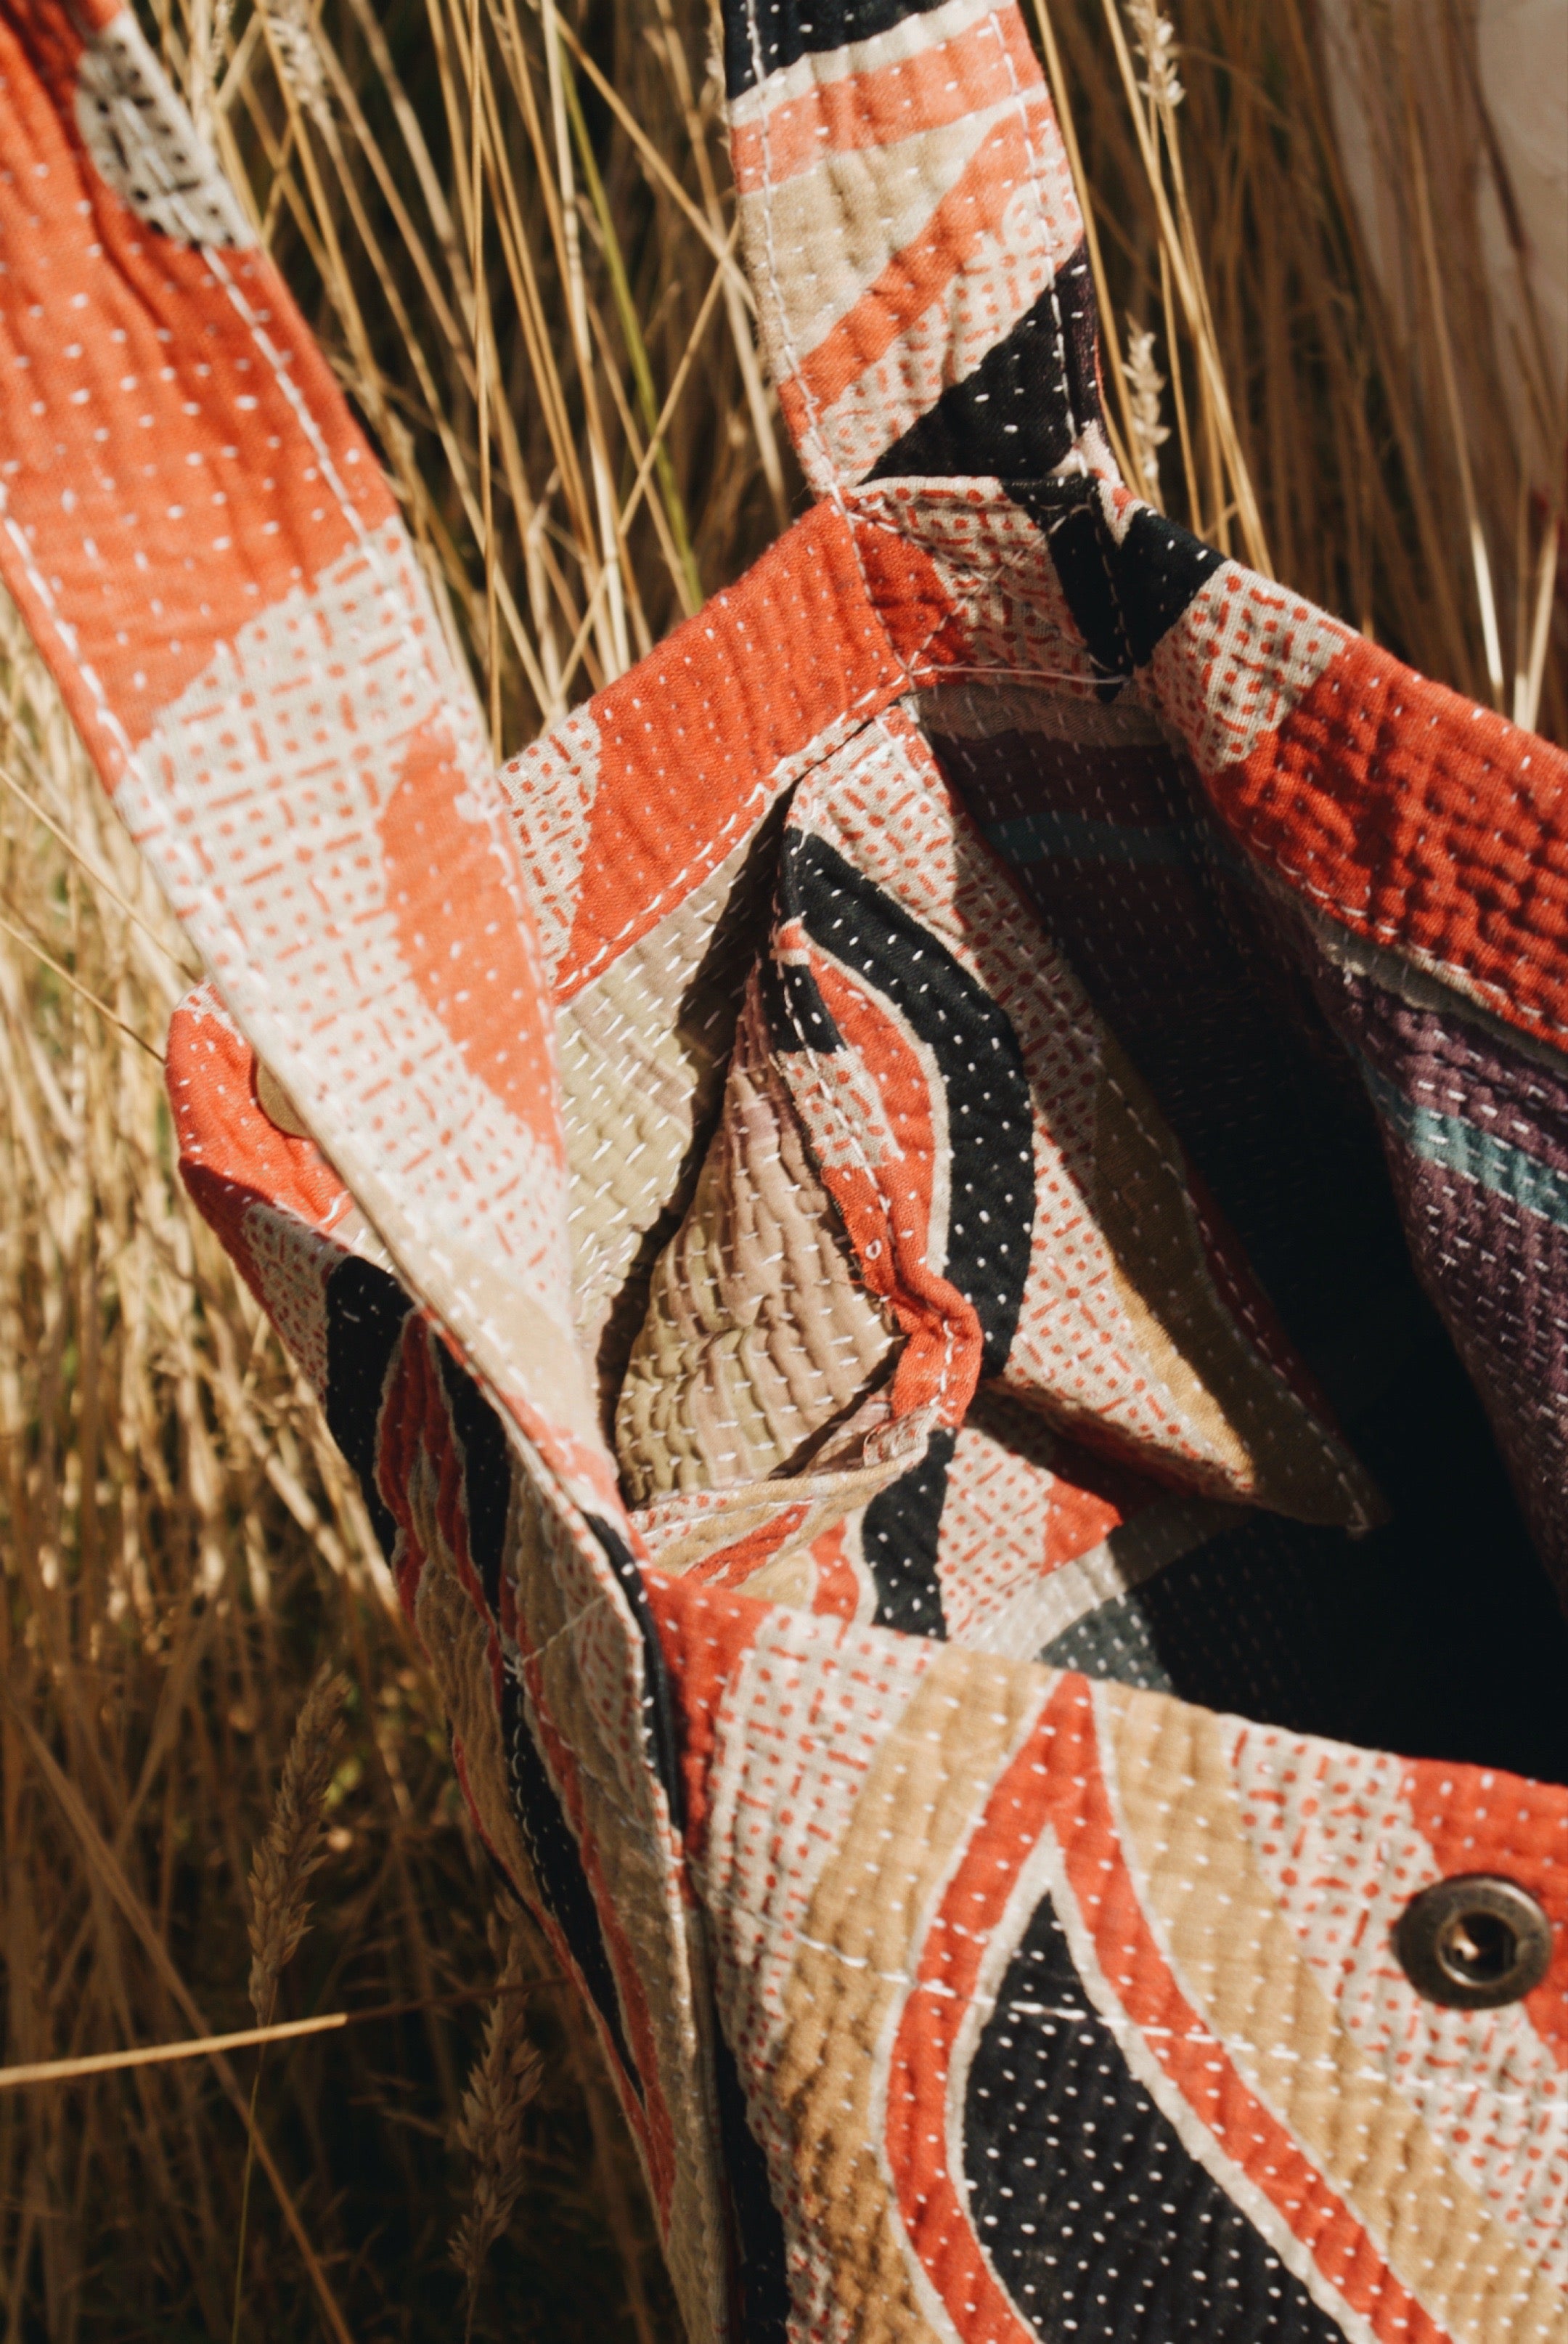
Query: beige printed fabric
(760,1336)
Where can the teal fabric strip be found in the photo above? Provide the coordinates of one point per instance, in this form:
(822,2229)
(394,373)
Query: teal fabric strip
(1458,1146)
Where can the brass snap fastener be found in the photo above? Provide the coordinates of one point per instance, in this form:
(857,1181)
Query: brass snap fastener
(1473,1942)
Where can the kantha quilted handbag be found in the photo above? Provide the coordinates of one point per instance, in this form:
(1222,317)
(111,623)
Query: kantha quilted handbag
(925,1249)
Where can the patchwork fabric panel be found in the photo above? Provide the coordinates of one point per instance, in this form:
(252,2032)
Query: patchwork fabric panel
(1118,2046)
(509,1605)
(1104,827)
(646,848)
(1003,1536)
(1007,1182)
(827,1182)
(1475,1122)
(1408,816)
(910,223)
(760,1336)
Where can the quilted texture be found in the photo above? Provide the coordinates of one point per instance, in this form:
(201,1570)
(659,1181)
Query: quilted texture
(875,1227)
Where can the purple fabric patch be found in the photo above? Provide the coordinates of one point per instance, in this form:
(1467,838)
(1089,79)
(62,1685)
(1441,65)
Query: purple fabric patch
(1477,1139)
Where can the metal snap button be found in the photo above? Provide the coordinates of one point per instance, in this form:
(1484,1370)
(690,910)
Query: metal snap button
(1474,1942)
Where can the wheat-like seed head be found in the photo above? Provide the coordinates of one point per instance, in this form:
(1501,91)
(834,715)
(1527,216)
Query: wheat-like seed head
(505,2078)
(292,25)
(1144,384)
(1156,37)
(291,1848)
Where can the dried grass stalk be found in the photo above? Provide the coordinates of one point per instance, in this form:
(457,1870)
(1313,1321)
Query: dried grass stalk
(490,2133)
(292,1848)
(291,27)
(1312,206)
(1144,384)
(1156,37)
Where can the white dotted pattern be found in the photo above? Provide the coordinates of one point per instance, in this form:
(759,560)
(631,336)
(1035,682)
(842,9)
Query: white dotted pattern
(1009,1584)
(913,36)
(834,230)
(995,568)
(280,758)
(797,1727)
(1335,1838)
(1005,274)
(145,144)
(292,1265)
(889,813)
(551,789)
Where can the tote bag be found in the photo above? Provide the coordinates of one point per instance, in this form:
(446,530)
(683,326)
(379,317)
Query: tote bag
(937,1232)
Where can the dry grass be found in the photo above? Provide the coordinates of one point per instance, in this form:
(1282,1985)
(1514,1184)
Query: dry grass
(291,1847)
(180,1547)
(1389,439)
(510,225)
(493,2132)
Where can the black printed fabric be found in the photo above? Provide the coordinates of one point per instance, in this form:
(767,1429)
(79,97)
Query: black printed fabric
(366,1316)
(366,1312)
(1027,402)
(900,1538)
(989,1116)
(1098,2223)
(1127,580)
(765,37)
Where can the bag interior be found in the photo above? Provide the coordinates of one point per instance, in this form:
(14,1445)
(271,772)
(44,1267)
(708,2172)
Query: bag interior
(1434,1632)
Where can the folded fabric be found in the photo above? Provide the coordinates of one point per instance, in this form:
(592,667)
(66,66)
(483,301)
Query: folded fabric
(854,1216)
